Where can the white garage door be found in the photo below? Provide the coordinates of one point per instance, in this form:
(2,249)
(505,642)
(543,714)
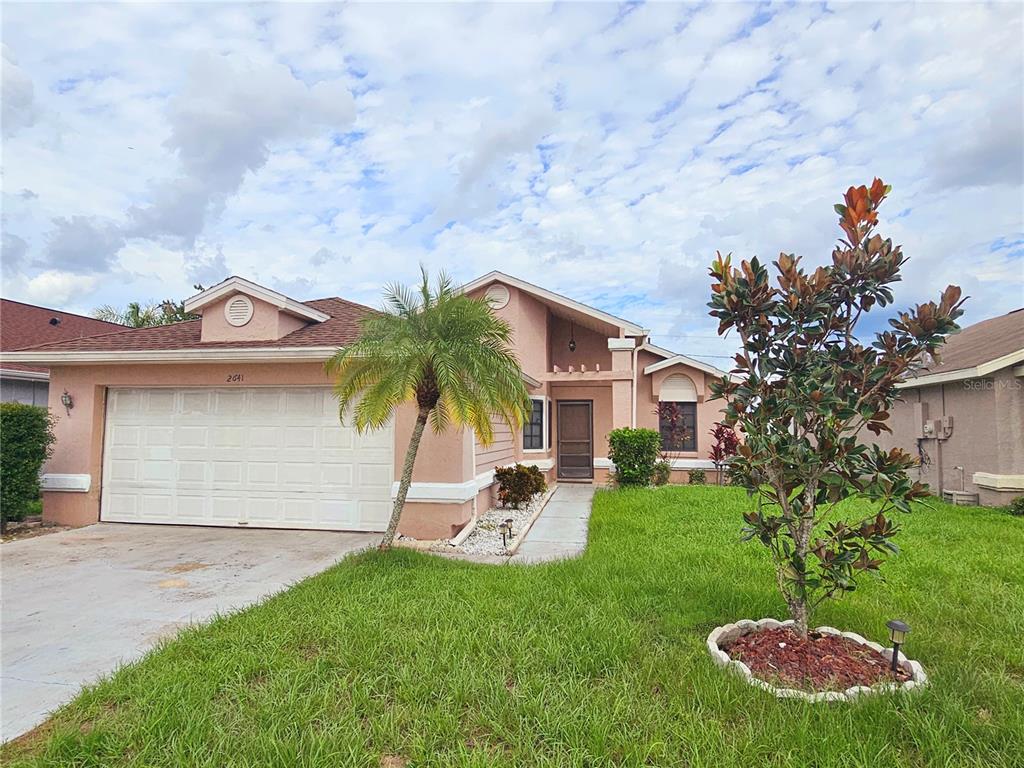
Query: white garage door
(266,457)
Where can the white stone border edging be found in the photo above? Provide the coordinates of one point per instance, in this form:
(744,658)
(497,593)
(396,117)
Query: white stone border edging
(730,632)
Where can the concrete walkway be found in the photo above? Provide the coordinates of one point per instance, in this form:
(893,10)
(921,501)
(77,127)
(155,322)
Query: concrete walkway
(561,529)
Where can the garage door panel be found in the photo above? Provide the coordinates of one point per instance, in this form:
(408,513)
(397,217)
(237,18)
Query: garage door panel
(337,475)
(272,457)
(379,440)
(340,437)
(157,471)
(125,435)
(265,437)
(300,437)
(261,473)
(191,437)
(195,403)
(125,402)
(192,472)
(160,402)
(191,509)
(377,513)
(229,403)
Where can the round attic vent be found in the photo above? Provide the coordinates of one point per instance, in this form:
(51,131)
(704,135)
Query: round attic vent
(238,310)
(497,296)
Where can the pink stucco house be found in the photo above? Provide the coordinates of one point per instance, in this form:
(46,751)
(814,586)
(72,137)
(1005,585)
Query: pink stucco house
(229,420)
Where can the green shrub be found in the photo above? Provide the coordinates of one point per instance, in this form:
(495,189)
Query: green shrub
(26,441)
(662,472)
(634,453)
(518,484)
(1016,507)
(697,477)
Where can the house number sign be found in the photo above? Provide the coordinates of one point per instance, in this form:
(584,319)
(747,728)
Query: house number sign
(234,378)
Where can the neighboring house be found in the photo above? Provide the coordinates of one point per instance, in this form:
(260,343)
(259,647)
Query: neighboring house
(229,419)
(964,417)
(26,325)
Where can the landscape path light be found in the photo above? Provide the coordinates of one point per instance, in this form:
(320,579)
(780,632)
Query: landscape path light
(898,631)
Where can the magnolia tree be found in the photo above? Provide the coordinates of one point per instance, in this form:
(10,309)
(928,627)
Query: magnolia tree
(805,386)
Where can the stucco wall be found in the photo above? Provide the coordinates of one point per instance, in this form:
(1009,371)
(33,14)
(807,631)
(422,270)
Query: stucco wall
(528,319)
(591,347)
(988,433)
(268,322)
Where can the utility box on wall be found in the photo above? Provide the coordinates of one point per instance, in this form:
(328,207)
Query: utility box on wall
(920,416)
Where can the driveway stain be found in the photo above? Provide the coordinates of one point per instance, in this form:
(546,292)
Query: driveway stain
(172,583)
(186,567)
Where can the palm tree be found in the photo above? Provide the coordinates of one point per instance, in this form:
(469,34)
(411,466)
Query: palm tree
(440,348)
(135,315)
(138,315)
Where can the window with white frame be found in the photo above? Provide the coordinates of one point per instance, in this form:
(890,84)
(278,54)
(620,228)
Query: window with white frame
(677,414)
(533,429)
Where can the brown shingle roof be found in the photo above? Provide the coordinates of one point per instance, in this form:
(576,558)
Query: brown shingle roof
(342,328)
(23,325)
(980,343)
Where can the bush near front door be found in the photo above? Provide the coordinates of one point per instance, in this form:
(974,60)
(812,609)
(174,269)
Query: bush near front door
(518,484)
(634,452)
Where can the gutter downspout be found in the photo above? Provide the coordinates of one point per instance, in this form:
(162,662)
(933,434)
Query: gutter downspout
(636,355)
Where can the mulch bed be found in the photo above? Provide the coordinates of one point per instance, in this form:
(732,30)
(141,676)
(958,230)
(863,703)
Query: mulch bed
(819,663)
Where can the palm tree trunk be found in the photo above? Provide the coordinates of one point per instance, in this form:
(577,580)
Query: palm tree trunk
(406,481)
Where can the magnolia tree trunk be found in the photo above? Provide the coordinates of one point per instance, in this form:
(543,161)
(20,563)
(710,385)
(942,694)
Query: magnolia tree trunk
(406,481)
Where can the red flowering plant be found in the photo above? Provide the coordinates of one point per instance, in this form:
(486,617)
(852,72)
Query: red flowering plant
(725,446)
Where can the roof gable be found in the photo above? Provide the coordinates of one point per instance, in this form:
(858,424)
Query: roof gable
(235,284)
(628,328)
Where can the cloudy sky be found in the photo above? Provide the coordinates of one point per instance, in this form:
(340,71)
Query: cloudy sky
(604,151)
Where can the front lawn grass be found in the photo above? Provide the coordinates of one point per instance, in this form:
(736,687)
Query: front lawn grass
(600,661)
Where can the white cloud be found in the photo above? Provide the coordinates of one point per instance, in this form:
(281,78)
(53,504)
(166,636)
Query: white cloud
(18,95)
(54,287)
(605,151)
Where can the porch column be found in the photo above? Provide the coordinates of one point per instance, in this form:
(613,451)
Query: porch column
(622,389)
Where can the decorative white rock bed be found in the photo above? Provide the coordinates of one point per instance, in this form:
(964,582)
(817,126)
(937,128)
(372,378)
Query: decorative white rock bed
(485,537)
(730,632)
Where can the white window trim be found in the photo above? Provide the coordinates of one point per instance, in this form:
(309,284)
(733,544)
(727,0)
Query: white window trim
(543,426)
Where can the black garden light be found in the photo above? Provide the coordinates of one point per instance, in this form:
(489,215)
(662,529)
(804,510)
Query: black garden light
(508,522)
(505,531)
(898,631)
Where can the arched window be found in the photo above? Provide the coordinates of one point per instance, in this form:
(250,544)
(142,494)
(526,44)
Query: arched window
(677,414)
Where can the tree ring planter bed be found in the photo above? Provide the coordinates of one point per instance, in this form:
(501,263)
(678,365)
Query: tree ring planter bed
(840,648)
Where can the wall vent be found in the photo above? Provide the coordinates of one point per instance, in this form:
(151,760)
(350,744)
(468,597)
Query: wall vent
(238,310)
(497,296)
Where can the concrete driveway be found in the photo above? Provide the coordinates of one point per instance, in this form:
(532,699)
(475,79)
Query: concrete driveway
(78,604)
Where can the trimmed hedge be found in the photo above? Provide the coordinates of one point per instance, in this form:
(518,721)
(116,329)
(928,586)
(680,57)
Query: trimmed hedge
(635,452)
(697,477)
(26,442)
